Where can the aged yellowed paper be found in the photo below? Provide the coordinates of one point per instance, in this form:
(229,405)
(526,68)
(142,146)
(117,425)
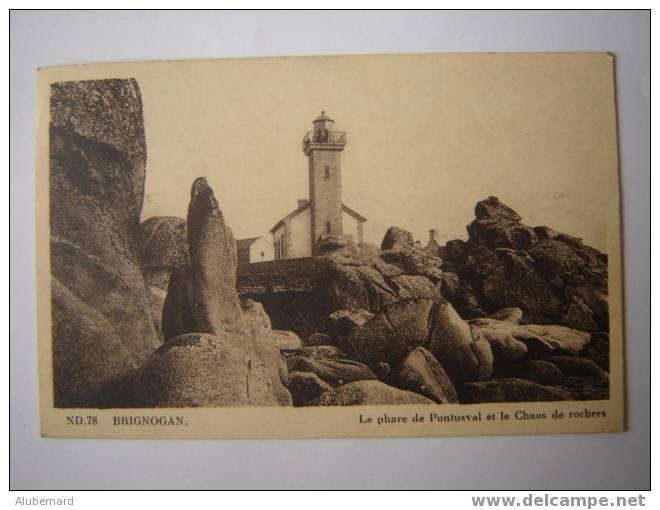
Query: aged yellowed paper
(338,246)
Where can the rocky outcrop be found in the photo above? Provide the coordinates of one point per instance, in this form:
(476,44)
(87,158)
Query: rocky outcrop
(513,315)
(316,339)
(163,244)
(420,372)
(598,350)
(202,297)
(538,339)
(552,277)
(331,242)
(252,334)
(377,341)
(201,370)
(349,280)
(305,387)
(462,295)
(209,326)
(536,370)
(580,367)
(560,362)
(212,263)
(344,277)
(413,286)
(396,235)
(412,260)
(464,357)
(405,325)
(177,318)
(331,370)
(102,321)
(508,341)
(90,361)
(157,302)
(401,312)
(321,351)
(557,377)
(344,321)
(394,313)
(562,339)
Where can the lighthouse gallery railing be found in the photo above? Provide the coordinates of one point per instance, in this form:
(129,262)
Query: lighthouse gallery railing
(329,137)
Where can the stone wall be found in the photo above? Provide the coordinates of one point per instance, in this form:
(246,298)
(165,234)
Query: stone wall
(288,291)
(277,276)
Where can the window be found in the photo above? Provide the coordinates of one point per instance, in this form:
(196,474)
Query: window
(327,173)
(262,254)
(327,227)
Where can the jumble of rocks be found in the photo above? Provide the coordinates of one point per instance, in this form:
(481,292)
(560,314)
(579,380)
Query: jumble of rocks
(424,347)
(402,326)
(552,277)
(394,323)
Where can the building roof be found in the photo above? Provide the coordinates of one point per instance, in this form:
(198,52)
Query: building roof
(323,116)
(291,215)
(306,205)
(243,244)
(355,215)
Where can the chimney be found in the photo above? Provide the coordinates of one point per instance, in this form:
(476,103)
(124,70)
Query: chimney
(301,202)
(433,234)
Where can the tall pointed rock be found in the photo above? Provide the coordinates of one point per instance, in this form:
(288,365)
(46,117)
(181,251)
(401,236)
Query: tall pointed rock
(213,343)
(213,263)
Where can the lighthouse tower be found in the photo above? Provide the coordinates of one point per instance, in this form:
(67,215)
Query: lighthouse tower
(323,148)
(323,213)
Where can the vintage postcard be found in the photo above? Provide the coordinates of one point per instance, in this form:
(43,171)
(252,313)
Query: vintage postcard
(337,246)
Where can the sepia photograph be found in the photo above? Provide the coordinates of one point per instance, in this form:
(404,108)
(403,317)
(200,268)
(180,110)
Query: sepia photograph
(339,246)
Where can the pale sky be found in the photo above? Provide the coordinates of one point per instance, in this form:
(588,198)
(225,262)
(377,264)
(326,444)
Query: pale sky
(428,136)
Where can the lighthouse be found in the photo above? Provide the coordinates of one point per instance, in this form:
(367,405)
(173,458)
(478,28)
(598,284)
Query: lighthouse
(323,213)
(323,147)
